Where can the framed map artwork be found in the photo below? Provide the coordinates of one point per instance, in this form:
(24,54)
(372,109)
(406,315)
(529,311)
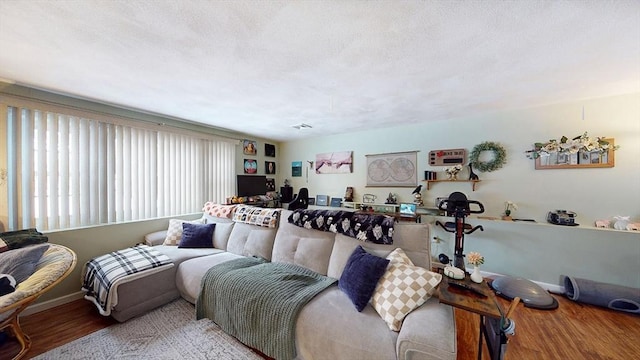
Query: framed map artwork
(392,169)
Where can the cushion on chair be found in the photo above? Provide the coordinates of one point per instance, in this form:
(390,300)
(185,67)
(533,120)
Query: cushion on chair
(53,265)
(21,263)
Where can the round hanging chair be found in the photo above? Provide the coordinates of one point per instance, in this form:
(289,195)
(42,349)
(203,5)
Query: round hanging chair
(55,265)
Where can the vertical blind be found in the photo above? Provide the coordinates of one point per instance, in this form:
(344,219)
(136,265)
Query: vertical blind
(69,171)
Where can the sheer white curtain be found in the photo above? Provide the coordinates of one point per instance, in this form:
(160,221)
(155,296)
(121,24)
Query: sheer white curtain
(68,171)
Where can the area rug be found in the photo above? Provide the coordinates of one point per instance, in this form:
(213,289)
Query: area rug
(169,332)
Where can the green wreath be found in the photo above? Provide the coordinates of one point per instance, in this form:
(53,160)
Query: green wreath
(499,156)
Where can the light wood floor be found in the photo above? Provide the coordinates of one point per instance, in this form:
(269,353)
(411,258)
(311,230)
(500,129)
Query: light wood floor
(573,331)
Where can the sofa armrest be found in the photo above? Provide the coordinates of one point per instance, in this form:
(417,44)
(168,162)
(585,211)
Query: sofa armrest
(155,238)
(428,332)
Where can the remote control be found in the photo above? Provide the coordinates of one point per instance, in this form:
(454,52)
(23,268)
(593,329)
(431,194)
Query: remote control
(467,287)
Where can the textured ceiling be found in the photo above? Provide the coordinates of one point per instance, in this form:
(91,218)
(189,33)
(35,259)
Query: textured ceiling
(260,67)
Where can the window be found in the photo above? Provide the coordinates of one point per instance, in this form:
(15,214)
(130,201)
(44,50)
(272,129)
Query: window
(68,171)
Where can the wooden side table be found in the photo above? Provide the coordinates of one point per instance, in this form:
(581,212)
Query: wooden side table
(485,305)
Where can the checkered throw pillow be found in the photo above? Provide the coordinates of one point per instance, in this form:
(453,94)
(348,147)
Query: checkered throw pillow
(402,289)
(174,232)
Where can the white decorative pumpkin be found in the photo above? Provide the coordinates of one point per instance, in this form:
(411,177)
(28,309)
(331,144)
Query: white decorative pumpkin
(621,222)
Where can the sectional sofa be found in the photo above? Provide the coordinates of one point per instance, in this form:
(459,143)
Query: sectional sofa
(329,326)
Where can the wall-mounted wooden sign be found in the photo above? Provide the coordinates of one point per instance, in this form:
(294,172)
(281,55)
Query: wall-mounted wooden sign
(447,157)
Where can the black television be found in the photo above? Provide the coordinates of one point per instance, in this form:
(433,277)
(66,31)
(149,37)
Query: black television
(252,185)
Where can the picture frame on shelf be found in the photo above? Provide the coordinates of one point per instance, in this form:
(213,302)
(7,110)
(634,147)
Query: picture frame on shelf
(322,200)
(369,198)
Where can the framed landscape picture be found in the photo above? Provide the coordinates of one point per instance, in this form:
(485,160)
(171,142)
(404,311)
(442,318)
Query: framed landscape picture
(296,168)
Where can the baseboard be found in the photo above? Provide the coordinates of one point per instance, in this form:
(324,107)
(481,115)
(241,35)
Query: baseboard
(553,288)
(46,305)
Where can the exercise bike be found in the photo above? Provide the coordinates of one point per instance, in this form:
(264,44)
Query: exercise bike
(494,330)
(458,206)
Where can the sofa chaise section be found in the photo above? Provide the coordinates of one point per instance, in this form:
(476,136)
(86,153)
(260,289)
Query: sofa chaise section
(145,293)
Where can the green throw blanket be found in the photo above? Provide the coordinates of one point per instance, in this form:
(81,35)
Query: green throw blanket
(258,302)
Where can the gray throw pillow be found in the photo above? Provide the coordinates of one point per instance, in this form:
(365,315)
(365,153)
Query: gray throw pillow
(21,263)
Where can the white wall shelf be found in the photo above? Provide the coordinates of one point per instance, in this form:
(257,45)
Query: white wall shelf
(473,182)
(377,207)
(531,223)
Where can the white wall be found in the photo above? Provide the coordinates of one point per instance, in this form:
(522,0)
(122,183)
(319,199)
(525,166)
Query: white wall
(539,252)
(260,158)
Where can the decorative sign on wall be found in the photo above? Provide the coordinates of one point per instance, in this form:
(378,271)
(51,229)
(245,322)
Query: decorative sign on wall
(579,160)
(447,157)
(392,169)
(580,152)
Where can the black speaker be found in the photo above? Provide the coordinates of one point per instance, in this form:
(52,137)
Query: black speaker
(286,194)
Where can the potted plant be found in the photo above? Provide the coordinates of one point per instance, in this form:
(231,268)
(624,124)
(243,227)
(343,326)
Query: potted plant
(475,259)
(509,206)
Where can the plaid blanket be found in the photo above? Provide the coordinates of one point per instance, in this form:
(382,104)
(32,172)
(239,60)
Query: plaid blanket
(103,274)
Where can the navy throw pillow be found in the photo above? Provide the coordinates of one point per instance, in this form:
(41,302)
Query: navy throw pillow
(361,275)
(197,235)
